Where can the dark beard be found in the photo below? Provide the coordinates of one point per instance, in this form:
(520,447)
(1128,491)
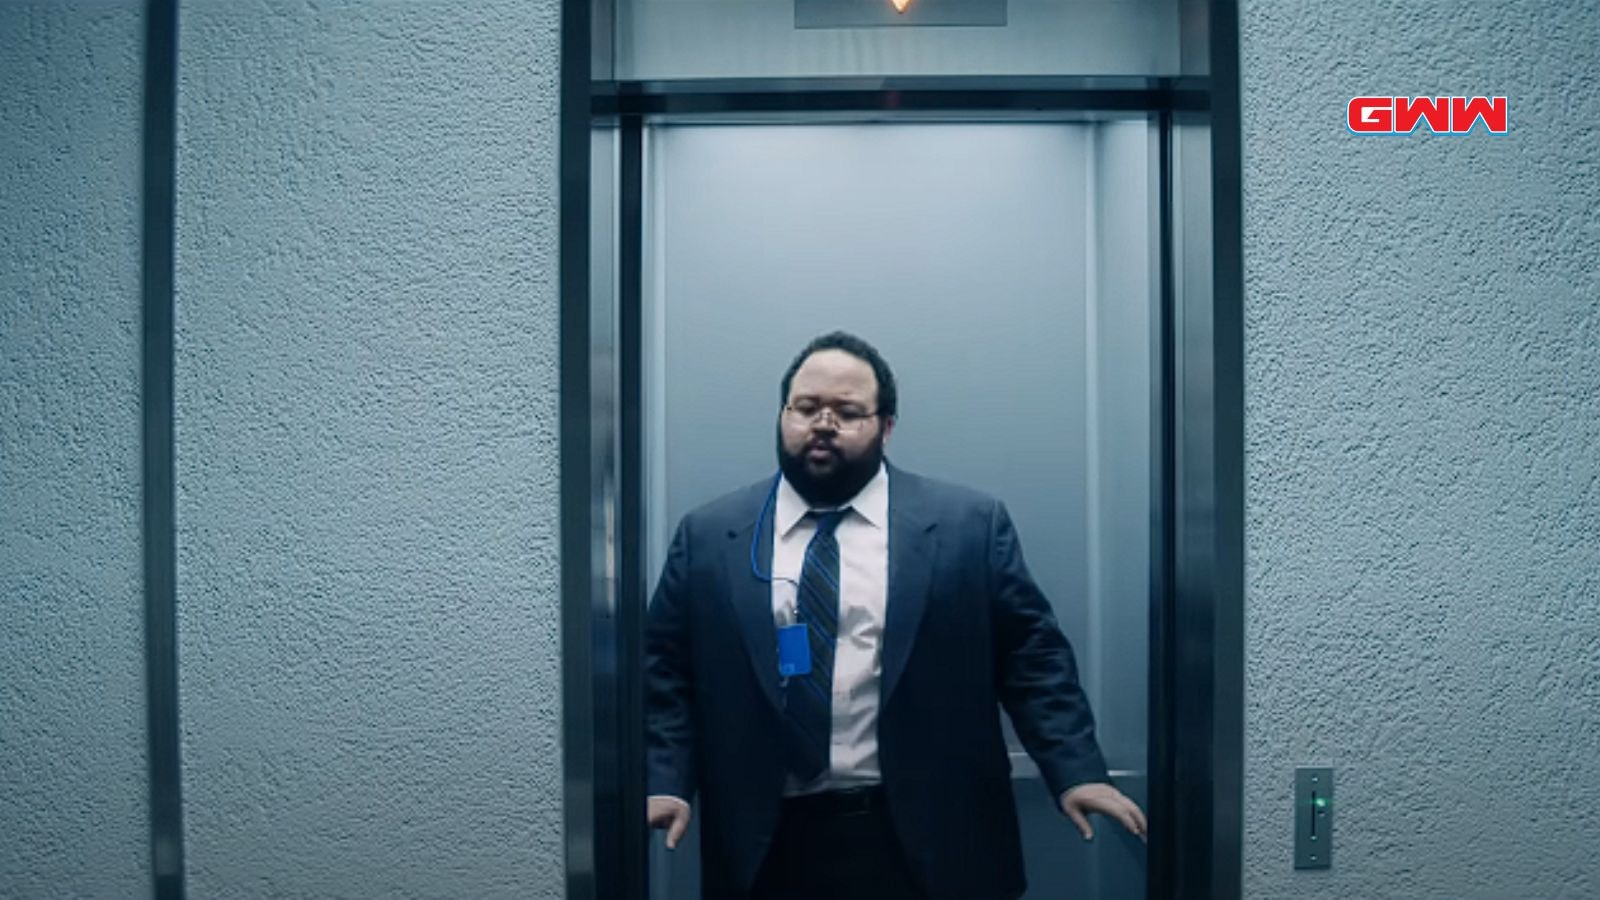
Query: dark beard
(846,480)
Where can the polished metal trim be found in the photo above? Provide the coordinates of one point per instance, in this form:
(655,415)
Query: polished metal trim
(628,546)
(1160,871)
(1196,597)
(1192,592)
(157,411)
(1228,631)
(923,83)
(577,470)
(603,41)
(603,508)
(900,95)
(1203,777)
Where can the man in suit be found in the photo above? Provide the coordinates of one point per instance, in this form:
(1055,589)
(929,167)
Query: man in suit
(827,654)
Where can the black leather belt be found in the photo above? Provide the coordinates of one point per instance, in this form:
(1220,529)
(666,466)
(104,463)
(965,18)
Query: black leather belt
(832,804)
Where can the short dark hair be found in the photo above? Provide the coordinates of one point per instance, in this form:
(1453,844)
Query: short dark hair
(888,398)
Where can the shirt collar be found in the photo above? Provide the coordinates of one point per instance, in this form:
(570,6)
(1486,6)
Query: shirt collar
(871,503)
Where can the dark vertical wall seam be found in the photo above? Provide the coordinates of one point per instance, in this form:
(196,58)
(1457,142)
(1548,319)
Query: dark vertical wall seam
(160,561)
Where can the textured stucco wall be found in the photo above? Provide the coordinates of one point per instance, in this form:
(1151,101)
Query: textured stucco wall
(1423,450)
(367,454)
(72,734)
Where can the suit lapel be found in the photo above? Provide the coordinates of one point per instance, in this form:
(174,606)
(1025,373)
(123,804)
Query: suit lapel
(752,600)
(913,546)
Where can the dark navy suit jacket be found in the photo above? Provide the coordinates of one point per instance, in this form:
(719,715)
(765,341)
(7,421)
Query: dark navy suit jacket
(967,632)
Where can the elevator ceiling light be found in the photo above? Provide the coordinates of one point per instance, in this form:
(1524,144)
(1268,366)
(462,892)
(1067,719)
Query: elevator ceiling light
(895,13)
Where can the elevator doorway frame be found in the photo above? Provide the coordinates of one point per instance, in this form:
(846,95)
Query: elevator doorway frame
(1196,703)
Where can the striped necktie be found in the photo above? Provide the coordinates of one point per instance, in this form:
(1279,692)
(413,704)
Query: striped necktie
(808,699)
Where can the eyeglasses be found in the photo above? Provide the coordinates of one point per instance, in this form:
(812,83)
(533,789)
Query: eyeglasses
(845,418)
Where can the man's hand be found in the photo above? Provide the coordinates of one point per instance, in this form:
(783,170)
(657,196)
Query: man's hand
(1105,799)
(670,813)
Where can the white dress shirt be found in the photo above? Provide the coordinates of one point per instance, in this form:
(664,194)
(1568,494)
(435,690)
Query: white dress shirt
(863,536)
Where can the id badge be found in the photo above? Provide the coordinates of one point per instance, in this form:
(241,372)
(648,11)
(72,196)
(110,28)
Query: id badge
(794,650)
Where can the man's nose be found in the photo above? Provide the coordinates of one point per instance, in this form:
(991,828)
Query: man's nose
(825,423)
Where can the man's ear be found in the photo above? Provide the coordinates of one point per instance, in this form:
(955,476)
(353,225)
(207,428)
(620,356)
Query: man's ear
(888,428)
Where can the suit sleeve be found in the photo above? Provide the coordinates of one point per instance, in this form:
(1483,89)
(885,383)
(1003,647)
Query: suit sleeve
(1036,670)
(669,679)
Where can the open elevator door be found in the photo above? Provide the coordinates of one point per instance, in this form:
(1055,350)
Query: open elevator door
(661,74)
(1009,273)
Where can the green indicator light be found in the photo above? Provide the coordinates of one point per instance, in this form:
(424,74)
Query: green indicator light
(1321,802)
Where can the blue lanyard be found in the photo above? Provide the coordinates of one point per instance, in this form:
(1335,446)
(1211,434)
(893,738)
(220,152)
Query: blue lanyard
(755,539)
(755,569)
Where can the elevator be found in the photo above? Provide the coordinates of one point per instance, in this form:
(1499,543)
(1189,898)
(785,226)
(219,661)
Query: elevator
(1024,220)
